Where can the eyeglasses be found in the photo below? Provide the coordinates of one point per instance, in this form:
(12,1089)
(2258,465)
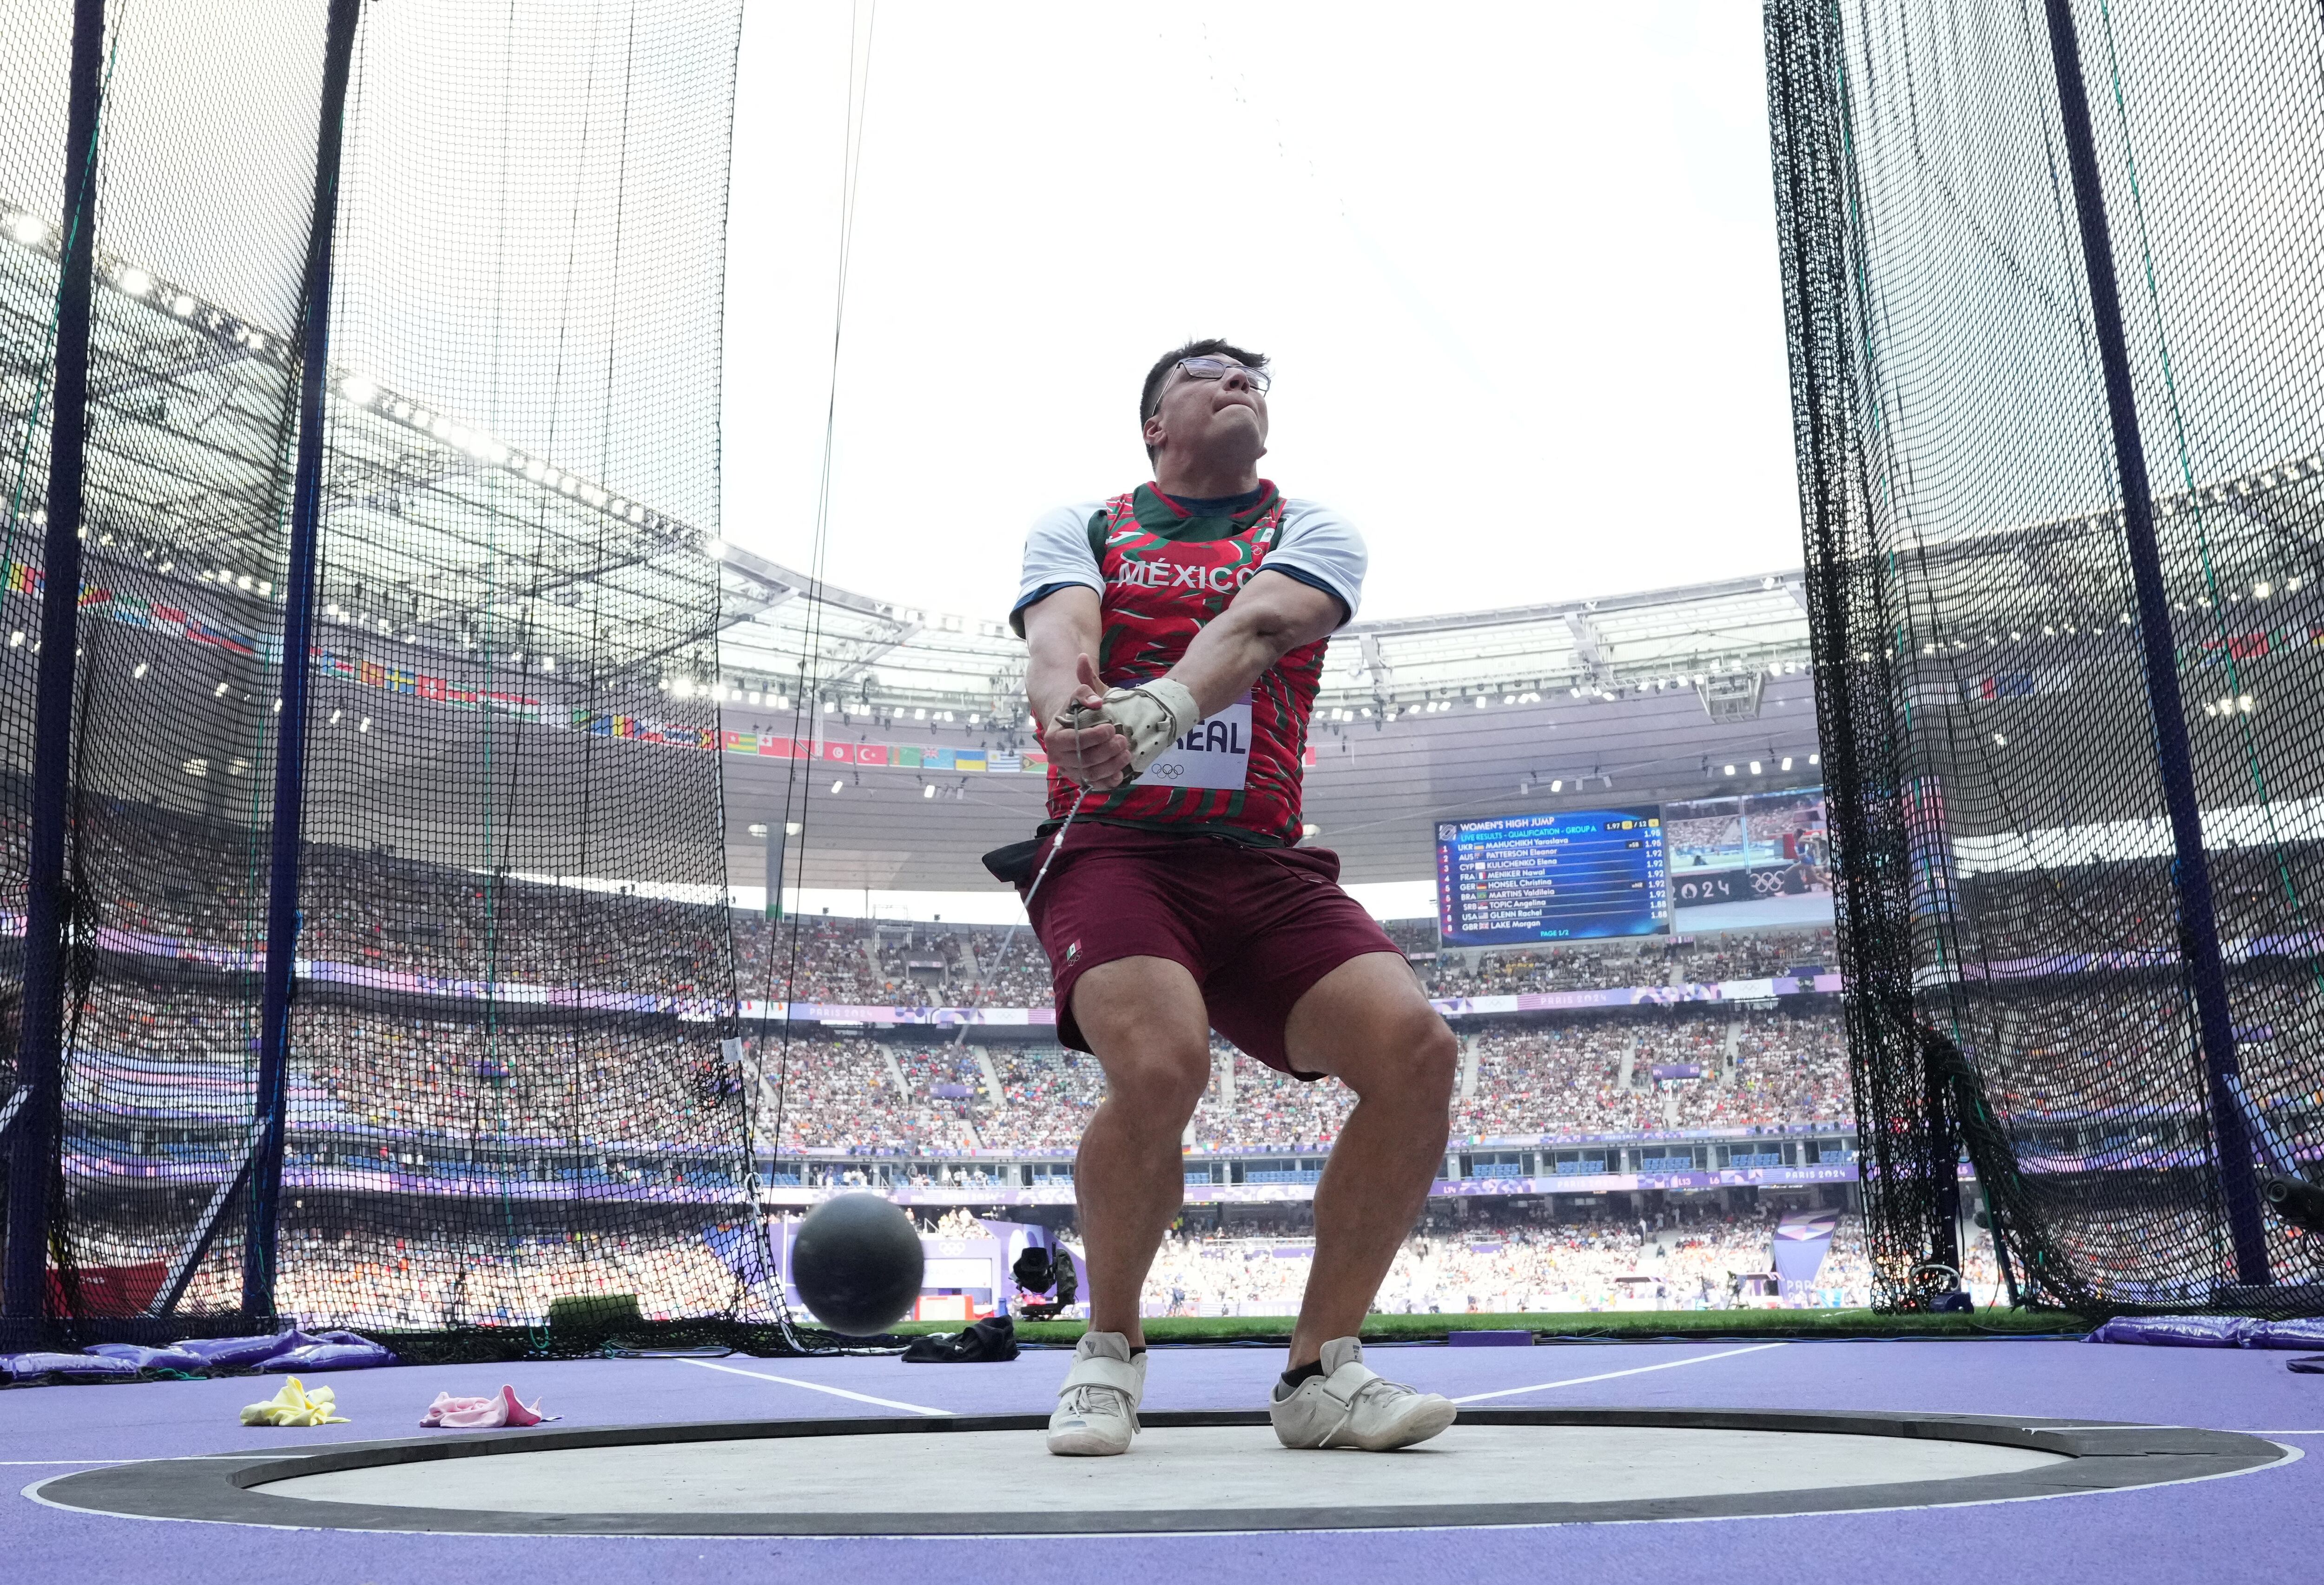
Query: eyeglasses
(1219,368)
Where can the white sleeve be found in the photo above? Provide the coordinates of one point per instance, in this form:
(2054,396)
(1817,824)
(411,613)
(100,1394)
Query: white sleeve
(1056,553)
(1322,548)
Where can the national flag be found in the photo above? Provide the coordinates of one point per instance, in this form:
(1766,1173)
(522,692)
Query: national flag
(935,759)
(842,753)
(907,755)
(777,748)
(1006,764)
(968,760)
(871,754)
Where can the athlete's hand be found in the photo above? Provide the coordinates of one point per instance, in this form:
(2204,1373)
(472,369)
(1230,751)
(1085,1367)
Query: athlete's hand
(1084,746)
(1152,716)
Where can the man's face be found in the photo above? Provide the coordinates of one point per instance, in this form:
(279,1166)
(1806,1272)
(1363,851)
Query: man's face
(1209,416)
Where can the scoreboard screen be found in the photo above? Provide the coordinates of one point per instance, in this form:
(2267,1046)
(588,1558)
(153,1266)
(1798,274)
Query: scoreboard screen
(1562,877)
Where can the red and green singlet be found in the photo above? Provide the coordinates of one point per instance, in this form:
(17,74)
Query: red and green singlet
(1166,574)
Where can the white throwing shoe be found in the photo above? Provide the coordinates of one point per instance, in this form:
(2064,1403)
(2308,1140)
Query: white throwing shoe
(1097,1408)
(1353,1406)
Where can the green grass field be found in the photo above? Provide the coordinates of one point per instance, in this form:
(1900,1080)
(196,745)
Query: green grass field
(1707,1325)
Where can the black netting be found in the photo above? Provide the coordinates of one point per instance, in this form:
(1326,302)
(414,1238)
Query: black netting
(511,1085)
(2030,972)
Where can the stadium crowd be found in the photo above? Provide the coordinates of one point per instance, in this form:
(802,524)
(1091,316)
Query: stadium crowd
(1697,1257)
(403,1066)
(1676,1260)
(1704,1258)
(169,877)
(1543,1082)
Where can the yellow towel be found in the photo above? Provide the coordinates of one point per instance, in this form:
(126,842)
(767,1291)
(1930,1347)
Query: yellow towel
(295,1405)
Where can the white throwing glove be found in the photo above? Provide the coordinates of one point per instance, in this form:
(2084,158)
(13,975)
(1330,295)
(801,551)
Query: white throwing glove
(1152,716)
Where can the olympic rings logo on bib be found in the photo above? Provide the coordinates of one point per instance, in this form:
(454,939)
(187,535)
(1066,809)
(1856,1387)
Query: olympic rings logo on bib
(1214,754)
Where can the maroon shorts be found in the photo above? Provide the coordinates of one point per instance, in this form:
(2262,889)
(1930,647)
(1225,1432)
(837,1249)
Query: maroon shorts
(1256,927)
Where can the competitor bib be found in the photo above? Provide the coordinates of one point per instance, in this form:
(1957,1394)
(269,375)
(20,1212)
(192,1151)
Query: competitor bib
(1215,753)
(1167,575)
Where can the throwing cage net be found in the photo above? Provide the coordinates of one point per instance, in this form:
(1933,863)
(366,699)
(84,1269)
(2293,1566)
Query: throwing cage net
(2055,289)
(506,1092)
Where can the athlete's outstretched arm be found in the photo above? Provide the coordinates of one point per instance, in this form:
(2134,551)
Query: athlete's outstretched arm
(1062,636)
(1270,616)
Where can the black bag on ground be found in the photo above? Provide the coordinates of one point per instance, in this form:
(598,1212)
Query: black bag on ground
(987,1343)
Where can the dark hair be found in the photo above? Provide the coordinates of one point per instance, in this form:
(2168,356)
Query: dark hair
(1149,398)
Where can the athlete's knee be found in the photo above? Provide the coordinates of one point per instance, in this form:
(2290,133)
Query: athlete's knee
(1413,1057)
(1437,1057)
(1160,1082)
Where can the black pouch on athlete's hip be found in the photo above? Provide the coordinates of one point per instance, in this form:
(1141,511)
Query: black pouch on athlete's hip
(1014,863)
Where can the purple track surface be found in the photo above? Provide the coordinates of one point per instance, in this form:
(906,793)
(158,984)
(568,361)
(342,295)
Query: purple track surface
(2266,1525)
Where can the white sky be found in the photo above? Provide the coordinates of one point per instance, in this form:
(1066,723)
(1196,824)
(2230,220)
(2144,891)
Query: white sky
(1516,265)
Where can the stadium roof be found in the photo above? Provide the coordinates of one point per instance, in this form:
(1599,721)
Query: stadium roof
(871,657)
(1640,697)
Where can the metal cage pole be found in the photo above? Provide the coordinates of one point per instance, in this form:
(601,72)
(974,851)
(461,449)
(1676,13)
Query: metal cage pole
(264,1204)
(2198,936)
(39,1053)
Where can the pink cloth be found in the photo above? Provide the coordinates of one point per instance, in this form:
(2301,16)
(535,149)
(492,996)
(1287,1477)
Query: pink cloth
(481,1414)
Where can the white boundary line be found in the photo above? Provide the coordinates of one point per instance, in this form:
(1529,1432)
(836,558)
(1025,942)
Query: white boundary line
(2292,1455)
(1510,1392)
(837,1392)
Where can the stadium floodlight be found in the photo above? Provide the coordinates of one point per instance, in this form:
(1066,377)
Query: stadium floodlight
(1557,786)
(1787,762)
(366,724)
(219,692)
(1755,768)
(1815,759)
(792,828)
(133,281)
(137,671)
(928,789)
(16,639)
(1729,771)
(358,389)
(335,717)
(835,787)
(2000,742)
(29,229)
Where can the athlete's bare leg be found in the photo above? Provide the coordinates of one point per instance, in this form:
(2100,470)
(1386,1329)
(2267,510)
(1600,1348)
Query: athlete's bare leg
(1145,1018)
(1368,1023)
